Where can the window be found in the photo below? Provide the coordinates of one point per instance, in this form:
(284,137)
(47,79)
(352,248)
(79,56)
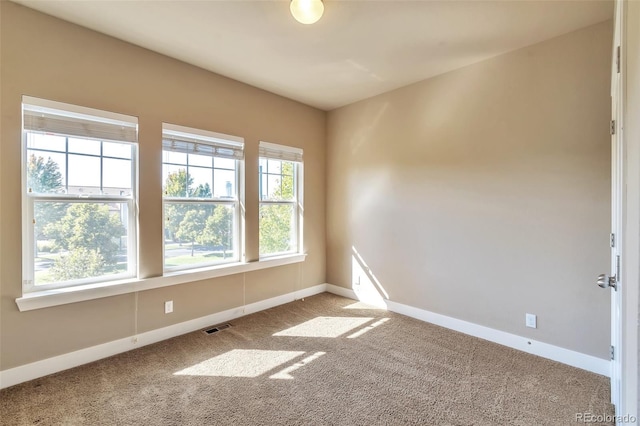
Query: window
(280,174)
(201,185)
(79,178)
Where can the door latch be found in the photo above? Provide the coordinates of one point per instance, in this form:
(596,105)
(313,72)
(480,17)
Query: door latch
(606,281)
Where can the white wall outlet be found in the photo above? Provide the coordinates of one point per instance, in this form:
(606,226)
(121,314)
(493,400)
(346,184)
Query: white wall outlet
(531,320)
(168,306)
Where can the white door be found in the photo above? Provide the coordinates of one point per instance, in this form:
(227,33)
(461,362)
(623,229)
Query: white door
(613,280)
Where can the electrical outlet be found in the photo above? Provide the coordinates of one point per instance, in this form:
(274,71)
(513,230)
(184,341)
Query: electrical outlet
(531,320)
(168,306)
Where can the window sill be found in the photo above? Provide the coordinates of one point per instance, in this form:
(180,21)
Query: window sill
(63,296)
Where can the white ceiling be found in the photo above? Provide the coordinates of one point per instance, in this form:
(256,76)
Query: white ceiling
(357,50)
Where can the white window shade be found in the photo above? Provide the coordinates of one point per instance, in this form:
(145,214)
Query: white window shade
(210,144)
(211,149)
(280,152)
(47,119)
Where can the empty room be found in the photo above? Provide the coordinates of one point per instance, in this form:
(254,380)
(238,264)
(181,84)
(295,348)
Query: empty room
(317,212)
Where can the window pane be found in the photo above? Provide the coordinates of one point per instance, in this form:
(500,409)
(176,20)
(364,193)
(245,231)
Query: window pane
(264,187)
(49,142)
(84,146)
(288,189)
(224,184)
(174,181)
(116,177)
(46,172)
(275,166)
(174,157)
(224,163)
(275,189)
(119,150)
(199,160)
(277,229)
(84,174)
(79,240)
(200,182)
(198,234)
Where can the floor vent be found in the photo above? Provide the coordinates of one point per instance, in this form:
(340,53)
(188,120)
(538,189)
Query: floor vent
(217,328)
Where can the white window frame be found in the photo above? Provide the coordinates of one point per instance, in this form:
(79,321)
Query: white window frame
(268,150)
(104,123)
(215,141)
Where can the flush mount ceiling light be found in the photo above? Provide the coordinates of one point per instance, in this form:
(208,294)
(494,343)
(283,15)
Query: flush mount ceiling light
(307,11)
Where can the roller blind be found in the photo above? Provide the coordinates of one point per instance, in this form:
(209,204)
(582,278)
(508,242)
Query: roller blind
(280,152)
(202,145)
(67,122)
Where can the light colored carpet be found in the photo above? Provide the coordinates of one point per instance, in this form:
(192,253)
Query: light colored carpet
(322,361)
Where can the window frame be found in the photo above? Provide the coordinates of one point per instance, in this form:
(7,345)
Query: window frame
(29,199)
(205,137)
(285,153)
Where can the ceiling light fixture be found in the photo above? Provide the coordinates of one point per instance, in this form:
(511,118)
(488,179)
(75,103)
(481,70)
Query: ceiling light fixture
(307,11)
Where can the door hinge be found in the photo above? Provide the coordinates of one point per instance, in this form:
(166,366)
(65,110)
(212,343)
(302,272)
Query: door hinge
(613,127)
(613,240)
(612,352)
(618,59)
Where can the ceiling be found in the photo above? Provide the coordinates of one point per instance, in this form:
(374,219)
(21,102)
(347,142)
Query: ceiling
(357,50)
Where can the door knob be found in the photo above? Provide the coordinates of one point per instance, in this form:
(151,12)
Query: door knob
(606,281)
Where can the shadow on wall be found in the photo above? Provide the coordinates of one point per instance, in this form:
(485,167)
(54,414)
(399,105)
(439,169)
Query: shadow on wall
(367,287)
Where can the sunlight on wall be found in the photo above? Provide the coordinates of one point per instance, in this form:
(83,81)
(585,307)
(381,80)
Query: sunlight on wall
(284,374)
(240,363)
(367,129)
(365,284)
(324,327)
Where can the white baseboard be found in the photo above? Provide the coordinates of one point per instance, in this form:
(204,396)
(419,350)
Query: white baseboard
(23,373)
(545,350)
(55,364)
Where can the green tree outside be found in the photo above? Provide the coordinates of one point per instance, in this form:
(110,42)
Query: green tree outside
(276,220)
(179,184)
(176,185)
(80,263)
(44,177)
(91,234)
(191,227)
(218,230)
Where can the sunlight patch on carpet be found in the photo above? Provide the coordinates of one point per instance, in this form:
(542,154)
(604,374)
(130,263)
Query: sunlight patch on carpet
(324,327)
(285,374)
(368,328)
(240,363)
(363,305)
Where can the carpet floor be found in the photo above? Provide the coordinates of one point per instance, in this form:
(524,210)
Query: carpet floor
(326,360)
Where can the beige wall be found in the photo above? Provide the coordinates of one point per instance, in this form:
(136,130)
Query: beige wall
(480,194)
(484,193)
(48,58)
